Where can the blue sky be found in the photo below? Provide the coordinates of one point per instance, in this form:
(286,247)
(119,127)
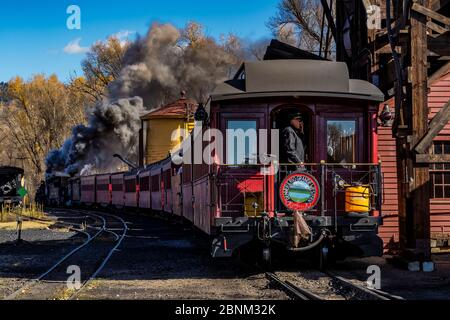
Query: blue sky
(33,34)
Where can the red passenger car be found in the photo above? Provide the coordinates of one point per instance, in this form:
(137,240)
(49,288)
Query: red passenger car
(103,190)
(156,197)
(244,190)
(88,190)
(144,189)
(117,190)
(166,185)
(131,196)
(336,191)
(75,191)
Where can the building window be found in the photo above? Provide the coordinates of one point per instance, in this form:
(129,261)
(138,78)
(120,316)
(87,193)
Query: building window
(440,172)
(341,141)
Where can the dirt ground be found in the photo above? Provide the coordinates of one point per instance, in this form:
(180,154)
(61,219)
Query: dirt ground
(157,260)
(161,259)
(40,248)
(26,225)
(169,267)
(401,282)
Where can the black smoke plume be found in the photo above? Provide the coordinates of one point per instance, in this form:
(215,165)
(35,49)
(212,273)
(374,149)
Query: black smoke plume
(156,67)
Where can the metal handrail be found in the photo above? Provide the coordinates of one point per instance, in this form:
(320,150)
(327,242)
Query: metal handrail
(371,172)
(299,164)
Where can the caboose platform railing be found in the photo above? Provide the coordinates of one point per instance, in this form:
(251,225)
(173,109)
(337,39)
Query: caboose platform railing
(244,189)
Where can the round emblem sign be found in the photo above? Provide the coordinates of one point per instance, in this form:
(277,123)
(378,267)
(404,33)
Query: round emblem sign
(299,191)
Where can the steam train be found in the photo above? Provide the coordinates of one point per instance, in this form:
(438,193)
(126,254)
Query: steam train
(246,193)
(10,183)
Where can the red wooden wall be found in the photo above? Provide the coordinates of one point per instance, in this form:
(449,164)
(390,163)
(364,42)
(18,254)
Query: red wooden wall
(438,96)
(387,153)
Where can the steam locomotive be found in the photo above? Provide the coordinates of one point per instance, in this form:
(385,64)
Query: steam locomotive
(330,204)
(10,183)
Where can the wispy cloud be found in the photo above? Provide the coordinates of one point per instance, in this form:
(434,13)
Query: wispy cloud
(74,47)
(123,36)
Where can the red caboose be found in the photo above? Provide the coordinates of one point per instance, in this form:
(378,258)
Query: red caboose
(248,192)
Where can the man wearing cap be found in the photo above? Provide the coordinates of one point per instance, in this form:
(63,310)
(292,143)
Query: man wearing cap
(294,152)
(293,147)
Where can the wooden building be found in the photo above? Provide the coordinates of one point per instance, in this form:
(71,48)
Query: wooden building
(158,126)
(438,97)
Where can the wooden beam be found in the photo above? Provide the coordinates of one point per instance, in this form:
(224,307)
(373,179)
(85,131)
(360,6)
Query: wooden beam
(433,158)
(437,28)
(418,206)
(388,50)
(431,14)
(436,5)
(438,123)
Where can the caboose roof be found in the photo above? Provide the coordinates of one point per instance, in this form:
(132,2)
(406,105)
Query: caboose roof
(313,78)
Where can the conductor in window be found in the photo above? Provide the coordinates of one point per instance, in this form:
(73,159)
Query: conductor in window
(293,140)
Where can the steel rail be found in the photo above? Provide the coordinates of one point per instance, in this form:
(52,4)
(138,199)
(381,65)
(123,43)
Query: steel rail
(59,262)
(106,259)
(291,289)
(387,295)
(361,290)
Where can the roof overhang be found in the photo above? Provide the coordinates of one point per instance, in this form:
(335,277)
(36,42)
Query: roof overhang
(296,78)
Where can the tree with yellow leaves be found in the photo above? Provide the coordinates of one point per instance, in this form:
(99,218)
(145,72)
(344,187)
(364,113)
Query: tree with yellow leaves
(39,116)
(101,66)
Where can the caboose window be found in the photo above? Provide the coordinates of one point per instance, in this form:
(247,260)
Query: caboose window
(241,142)
(341,141)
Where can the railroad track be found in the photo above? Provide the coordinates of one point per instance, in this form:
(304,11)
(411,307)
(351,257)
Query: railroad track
(291,289)
(361,292)
(80,255)
(343,289)
(56,220)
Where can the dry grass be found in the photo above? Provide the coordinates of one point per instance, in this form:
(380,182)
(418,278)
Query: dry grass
(63,294)
(26,225)
(9,213)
